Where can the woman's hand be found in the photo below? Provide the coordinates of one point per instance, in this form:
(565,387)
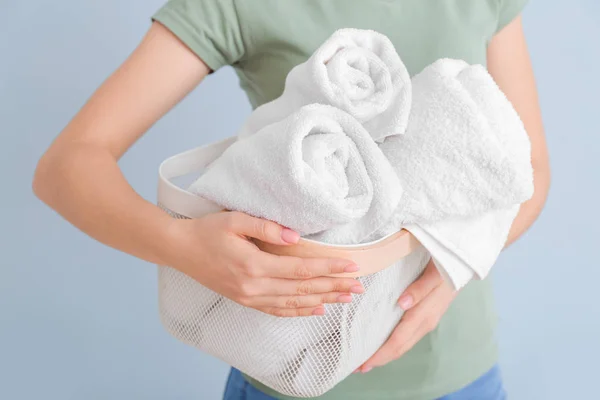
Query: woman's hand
(216,251)
(425,301)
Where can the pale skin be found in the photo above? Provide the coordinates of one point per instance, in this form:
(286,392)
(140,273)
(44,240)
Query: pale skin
(79,177)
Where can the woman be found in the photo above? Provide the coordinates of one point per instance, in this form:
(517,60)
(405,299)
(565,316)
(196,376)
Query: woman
(444,346)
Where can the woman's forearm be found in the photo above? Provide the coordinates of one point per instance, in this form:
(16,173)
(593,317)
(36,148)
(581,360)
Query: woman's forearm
(510,65)
(531,209)
(84,184)
(79,176)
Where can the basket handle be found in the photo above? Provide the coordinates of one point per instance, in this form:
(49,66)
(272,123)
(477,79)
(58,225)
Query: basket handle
(371,257)
(177,199)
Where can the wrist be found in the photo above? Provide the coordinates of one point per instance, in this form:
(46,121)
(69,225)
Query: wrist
(176,233)
(168,240)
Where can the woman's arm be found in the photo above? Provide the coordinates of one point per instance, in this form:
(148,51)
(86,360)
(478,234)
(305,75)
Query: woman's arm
(79,178)
(510,65)
(428,298)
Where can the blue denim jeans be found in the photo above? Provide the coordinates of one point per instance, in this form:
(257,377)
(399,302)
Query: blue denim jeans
(487,387)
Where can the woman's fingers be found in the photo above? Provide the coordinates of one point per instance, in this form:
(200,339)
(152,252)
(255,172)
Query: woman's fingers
(398,351)
(284,285)
(290,294)
(398,340)
(293,312)
(288,267)
(422,287)
(390,354)
(413,326)
(261,229)
(312,300)
(289,287)
(274,266)
(427,315)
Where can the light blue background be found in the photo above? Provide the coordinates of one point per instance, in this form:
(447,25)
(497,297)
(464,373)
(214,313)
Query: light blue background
(79,320)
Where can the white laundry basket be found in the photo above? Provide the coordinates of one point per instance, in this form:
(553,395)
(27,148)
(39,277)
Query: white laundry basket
(302,356)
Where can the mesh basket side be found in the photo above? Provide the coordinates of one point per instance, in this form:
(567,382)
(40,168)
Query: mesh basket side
(303,356)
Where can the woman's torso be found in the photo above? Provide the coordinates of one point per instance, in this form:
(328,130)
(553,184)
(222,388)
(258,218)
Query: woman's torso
(264,40)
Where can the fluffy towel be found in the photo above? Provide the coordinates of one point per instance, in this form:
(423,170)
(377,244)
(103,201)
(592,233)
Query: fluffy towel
(466,248)
(465,166)
(318,172)
(465,151)
(357,71)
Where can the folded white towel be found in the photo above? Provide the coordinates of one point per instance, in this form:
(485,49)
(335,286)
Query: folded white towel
(318,172)
(465,166)
(357,71)
(465,151)
(465,248)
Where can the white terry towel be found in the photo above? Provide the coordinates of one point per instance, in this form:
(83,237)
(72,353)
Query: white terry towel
(357,71)
(318,172)
(465,151)
(479,175)
(466,248)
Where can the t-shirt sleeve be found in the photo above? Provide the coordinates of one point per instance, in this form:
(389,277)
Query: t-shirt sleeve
(508,10)
(210,28)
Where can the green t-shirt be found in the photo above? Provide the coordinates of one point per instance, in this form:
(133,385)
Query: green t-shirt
(264,39)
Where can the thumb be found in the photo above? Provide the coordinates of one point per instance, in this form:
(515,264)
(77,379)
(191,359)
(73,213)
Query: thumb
(420,288)
(261,229)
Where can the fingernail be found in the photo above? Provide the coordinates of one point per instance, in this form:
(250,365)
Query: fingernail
(356,371)
(352,268)
(344,298)
(406,302)
(366,369)
(290,236)
(319,311)
(357,289)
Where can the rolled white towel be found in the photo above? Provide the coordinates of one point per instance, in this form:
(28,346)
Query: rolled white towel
(318,172)
(355,70)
